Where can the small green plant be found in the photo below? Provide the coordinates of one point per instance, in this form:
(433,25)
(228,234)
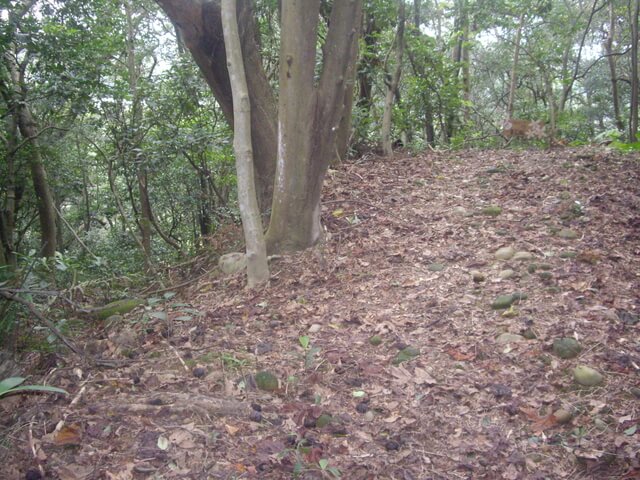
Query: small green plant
(12,385)
(310,352)
(323,463)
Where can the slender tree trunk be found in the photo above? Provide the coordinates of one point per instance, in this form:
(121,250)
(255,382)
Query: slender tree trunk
(144,220)
(566,93)
(417,17)
(13,196)
(514,68)
(256,251)
(634,11)
(466,65)
(608,45)
(343,136)
(391,83)
(29,131)
(133,139)
(366,64)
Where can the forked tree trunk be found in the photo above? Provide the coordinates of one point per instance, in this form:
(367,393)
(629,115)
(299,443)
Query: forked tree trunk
(308,117)
(257,267)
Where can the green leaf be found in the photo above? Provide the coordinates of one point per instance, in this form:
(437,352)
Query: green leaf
(324,463)
(631,430)
(159,315)
(358,393)
(40,388)
(304,341)
(10,383)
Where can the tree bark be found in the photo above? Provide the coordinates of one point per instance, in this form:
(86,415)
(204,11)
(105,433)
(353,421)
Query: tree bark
(200,27)
(514,68)
(391,83)
(29,131)
(308,117)
(608,46)
(256,251)
(634,11)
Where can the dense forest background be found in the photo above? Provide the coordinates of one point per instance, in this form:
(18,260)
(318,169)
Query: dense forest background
(117,161)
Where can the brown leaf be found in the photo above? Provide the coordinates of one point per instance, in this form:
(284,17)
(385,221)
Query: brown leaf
(68,435)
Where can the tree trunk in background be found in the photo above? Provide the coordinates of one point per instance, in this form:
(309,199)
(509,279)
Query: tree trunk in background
(343,136)
(13,195)
(367,63)
(569,82)
(391,83)
(466,64)
(29,131)
(417,18)
(200,27)
(514,68)
(133,139)
(634,11)
(256,251)
(611,58)
(308,117)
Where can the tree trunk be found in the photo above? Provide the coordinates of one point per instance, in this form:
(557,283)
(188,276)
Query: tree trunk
(256,251)
(308,117)
(633,110)
(608,46)
(133,139)
(367,63)
(514,68)
(343,137)
(29,131)
(391,83)
(13,195)
(200,27)
(566,93)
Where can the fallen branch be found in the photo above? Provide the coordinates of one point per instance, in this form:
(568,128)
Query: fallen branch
(179,403)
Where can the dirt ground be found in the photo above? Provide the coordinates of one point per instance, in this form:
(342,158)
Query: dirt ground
(390,360)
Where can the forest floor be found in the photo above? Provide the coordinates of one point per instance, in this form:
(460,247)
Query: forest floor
(440,392)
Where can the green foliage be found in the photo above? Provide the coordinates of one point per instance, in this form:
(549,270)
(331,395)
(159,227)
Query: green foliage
(626,147)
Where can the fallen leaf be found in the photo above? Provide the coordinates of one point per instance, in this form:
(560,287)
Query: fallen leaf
(231,430)
(68,435)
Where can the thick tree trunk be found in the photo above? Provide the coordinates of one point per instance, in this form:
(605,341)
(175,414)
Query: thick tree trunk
(391,83)
(200,27)
(308,126)
(256,251)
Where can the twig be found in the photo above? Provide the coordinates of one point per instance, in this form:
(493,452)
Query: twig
(179,357)
(348,200)
(64,220)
